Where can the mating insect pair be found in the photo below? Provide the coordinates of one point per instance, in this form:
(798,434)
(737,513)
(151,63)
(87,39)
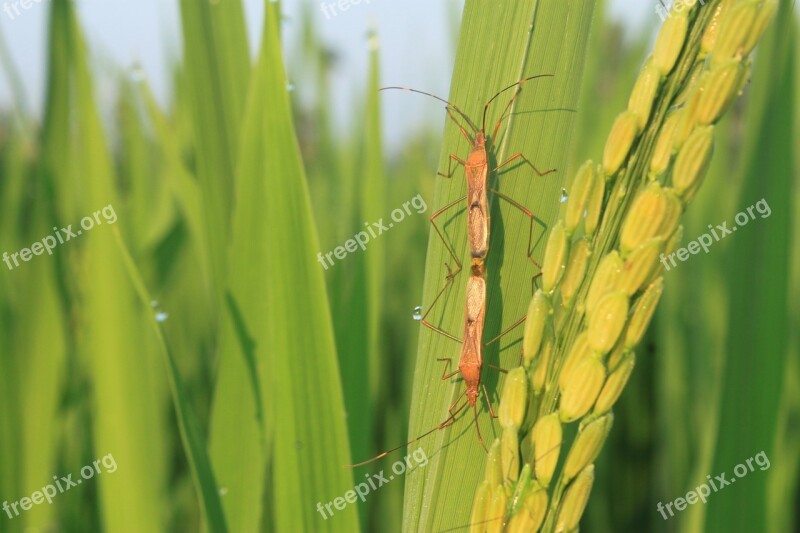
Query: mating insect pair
(476,170)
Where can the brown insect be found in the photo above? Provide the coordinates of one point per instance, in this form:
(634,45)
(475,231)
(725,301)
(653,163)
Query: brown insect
(476,169)
(471,359)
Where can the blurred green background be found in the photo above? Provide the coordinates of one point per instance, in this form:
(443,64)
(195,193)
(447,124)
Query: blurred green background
(198,339)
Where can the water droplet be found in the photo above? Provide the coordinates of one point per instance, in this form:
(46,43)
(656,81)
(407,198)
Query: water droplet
(160,315)
(290,87)
(223,491)
(564,195)
(417,313)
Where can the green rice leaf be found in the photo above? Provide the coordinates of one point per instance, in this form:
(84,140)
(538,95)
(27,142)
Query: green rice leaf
(758,285)
(217,71)
(191,436)
(278,401)
(127,419)
(497,47)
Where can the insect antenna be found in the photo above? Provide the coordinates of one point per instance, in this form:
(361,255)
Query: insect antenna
(520,82)
(449,420)
(451,105)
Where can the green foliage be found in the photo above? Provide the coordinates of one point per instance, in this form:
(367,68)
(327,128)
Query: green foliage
(496,49)
(266,374)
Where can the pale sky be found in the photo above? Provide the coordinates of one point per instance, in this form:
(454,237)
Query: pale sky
(124,32)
